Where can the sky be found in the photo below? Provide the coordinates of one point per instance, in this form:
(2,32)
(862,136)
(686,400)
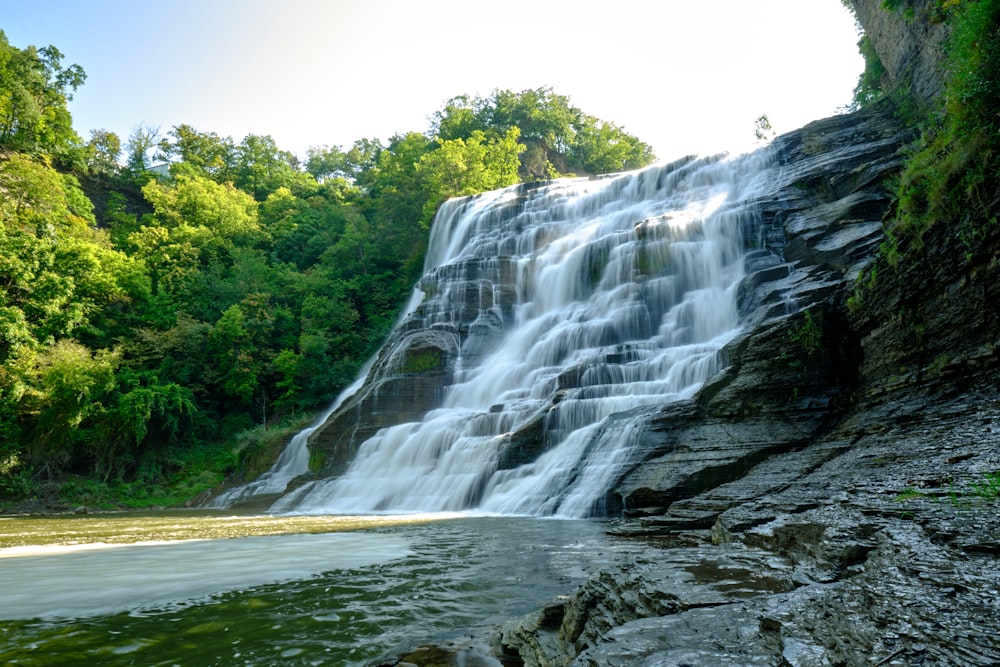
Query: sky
(685,76)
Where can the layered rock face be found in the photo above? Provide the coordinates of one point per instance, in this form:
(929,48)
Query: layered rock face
(910,43)
(792,373)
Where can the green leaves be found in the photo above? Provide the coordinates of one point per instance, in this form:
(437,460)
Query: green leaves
(240,282)
(34,90)
(557,136)
(459,167)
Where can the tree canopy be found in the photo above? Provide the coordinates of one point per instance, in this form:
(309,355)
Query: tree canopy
(242,286)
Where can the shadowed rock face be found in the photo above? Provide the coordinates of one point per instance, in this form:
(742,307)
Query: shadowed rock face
(910,43)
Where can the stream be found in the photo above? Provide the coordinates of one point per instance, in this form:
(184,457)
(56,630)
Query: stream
(188,588)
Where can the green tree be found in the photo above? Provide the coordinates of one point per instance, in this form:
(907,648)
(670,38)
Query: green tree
(34,91)
(600,147)
(103,151)
(207,153)
(235,363)
(325,162)
(261,168)
(459,167)
(68,385)
(460,117)
(214,208)
(139,149)
(36,223)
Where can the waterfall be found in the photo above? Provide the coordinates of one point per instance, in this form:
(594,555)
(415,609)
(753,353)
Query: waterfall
(577,308)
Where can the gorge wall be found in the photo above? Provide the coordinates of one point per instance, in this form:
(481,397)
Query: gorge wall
(910,43)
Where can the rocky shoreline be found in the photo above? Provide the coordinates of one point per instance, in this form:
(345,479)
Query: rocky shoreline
(876,545)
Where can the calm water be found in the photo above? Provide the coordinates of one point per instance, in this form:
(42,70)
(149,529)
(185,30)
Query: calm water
(209,590)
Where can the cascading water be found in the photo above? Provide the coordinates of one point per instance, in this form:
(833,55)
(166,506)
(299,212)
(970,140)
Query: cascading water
(578,309)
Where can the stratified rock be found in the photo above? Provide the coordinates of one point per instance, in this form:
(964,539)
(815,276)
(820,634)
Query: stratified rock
(909,42)
(793,371)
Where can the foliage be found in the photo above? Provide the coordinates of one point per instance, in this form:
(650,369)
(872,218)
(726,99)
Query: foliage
(139,149)
(870,83)
(763,130)
(34,89)
(950,176)
(103,151)
(809,335)
(151,348)
(986,489)
(558,137)
(952,171)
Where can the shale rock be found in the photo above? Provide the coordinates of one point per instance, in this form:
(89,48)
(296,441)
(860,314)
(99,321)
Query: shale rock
(909,42)
(821,561)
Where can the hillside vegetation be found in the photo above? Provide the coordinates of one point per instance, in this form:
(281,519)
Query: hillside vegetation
(160,329)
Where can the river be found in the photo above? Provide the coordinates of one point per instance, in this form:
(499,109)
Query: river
(188,588)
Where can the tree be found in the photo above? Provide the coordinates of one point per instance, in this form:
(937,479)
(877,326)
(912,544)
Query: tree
(169,255)
(459,118)
(763,130)
(34,91)
(35,221)
(325,162)
(103,151)
(213,208)
(600,147)
(261,168)
(68,385)
(542,115)
(206,152)
(557,136)
(139,148)
(459,167)
(233,354)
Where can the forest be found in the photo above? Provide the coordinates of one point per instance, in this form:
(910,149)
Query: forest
(174,304)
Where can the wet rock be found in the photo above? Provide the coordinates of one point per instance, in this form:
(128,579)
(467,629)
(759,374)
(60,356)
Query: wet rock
(820,559)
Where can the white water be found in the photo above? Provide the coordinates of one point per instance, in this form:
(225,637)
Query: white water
(598,302)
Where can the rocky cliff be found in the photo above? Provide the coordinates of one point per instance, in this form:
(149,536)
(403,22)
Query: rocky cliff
(909,42)
(830,497)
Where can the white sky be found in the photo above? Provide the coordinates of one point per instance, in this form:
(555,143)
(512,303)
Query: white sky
(683,75)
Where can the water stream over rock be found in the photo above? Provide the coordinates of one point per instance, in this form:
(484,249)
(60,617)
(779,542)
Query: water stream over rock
(553,320)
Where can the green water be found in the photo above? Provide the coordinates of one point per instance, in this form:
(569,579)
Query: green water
(206,590)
